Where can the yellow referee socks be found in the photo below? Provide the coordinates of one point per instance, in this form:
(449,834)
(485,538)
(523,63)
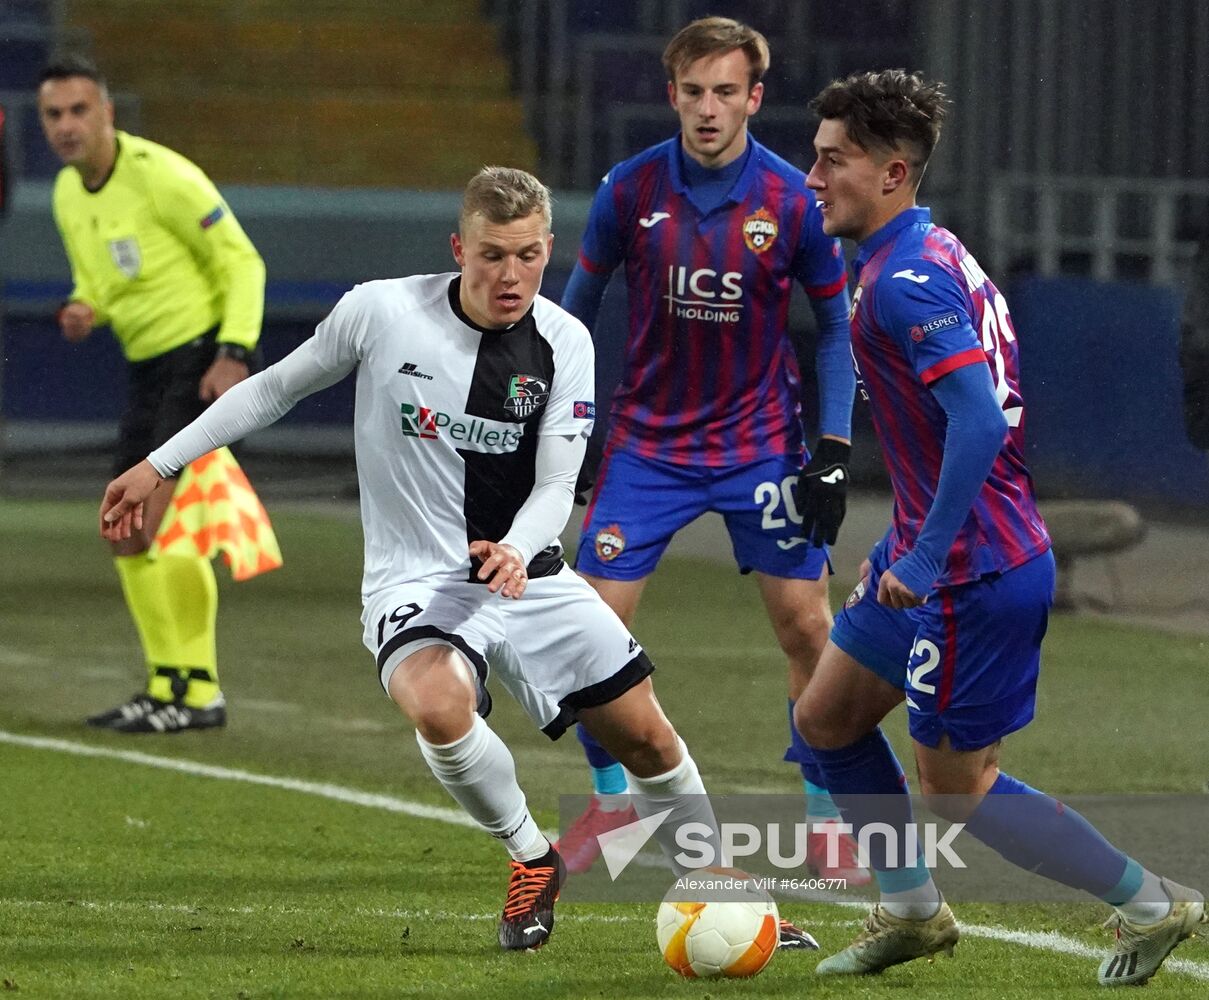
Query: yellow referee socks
(174,603)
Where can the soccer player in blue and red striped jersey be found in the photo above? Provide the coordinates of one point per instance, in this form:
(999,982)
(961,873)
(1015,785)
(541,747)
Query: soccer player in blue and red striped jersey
(713,230)
(954,601)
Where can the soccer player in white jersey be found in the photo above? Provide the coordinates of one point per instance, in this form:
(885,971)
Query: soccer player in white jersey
(474,402)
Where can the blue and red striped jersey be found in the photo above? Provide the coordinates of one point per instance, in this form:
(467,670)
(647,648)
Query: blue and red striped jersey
(710,376)
(923,308)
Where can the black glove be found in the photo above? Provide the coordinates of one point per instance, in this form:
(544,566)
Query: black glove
(823,491)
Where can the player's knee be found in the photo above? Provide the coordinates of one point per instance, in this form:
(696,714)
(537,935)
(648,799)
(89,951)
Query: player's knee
(951,795)
(650,748)
(821,724)
(803,633)
(438,698)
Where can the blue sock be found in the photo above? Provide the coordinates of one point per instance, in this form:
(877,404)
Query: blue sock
(818,801)
(868,785)
(608,776)
(1040,834)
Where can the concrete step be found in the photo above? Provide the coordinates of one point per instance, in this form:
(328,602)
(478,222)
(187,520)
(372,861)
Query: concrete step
(282,54)
(337,142)
(385,13)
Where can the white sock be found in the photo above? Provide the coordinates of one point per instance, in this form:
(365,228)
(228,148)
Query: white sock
(682,791)
(613,802)
(1149,904)
(478,772)
(920,903)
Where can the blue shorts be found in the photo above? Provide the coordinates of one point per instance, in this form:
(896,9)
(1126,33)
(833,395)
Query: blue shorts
(967,660)
(640,503)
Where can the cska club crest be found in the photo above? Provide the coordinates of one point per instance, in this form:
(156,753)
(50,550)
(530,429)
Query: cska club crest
(759,230)
(610,542)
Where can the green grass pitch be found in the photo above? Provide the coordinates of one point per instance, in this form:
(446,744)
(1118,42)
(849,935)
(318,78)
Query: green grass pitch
(120,879)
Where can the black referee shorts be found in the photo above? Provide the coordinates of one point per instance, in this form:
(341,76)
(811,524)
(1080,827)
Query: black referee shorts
(162,398)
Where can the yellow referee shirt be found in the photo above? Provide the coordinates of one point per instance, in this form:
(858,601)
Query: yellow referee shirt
(157,253)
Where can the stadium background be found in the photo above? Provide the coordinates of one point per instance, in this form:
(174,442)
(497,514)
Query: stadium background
(1076,167)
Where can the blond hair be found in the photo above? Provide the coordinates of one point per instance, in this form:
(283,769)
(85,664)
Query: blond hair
(504,194)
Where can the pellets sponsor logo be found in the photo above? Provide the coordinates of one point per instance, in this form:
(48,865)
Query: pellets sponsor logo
(467,433)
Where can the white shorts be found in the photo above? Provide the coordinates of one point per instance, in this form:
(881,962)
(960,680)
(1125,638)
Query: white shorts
(557,650)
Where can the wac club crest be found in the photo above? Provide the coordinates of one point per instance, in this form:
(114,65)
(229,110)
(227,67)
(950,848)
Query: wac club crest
(759,230)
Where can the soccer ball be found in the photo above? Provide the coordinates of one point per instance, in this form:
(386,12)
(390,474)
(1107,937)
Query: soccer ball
(734,936)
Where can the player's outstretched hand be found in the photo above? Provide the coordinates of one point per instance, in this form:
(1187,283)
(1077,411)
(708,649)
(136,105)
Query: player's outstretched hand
(502,568)
(122,506)
(823,491)
(892,592)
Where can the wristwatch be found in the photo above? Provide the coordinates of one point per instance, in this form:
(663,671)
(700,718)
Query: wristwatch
(236,352)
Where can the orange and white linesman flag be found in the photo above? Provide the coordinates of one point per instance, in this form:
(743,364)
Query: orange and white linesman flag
(215,509)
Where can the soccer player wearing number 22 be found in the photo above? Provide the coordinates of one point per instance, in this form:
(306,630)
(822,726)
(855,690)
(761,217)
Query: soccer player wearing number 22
(954,600)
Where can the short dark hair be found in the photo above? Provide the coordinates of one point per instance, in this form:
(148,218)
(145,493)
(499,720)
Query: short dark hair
(65,65)
(887,110)
(715,36)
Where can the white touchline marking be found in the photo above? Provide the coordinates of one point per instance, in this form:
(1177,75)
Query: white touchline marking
(1041,940)
(265,705)
(18,658)
(338,793)
(202,911)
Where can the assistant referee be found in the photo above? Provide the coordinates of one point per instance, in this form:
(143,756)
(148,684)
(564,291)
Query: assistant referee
(158,256)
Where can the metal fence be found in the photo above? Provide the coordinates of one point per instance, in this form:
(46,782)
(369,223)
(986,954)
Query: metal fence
(1108,228)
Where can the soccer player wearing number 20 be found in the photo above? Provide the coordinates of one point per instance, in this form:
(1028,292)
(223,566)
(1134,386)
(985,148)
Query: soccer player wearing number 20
(954,600)
(713,230)
(474,402)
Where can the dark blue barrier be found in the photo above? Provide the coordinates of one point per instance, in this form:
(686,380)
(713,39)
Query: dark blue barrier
(1101,379)
(46,378)
(1102,386)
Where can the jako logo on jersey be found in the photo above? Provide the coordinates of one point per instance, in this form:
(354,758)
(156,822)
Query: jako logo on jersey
(704,294)
(584,410)
(759,230)
(526,394)
(473,434)
(654,219)
(924,330)
(610,542)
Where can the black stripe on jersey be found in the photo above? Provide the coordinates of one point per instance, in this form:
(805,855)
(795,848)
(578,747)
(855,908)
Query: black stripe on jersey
(600,693)
(401,639)
(497,485)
